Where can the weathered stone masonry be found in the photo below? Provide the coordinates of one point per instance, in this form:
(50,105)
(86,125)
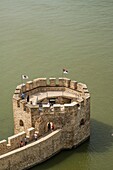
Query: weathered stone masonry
(65,104)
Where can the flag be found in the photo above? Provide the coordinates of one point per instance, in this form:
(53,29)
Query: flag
(65,71)
(24,77)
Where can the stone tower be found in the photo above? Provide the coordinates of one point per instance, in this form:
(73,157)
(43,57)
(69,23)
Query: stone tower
(63,103)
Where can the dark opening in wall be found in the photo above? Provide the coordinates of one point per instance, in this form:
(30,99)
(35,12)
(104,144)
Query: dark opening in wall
(18,103)
(24,108)
(21,123)
(82,122)
(78,106)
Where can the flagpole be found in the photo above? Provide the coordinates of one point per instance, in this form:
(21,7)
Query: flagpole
(63,81)
(22,78)
(22,83)
(64,71)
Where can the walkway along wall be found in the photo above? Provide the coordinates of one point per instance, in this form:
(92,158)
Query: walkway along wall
(33,153)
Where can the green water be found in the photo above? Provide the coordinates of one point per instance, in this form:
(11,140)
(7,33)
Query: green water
(41,37)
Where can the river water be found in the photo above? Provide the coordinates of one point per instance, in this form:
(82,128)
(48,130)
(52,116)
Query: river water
(39,38)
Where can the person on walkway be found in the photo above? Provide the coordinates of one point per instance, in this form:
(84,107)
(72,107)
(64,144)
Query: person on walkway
(25,141)
(23,96)
(52,127)
(35,136)
(21,143)
(49,126)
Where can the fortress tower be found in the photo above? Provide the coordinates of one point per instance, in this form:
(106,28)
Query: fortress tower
(64,104)
(58,110)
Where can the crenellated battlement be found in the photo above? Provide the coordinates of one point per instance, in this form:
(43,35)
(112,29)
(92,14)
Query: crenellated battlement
(41,83)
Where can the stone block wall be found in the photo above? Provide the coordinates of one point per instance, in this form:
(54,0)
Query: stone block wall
(14,141)
(33,153)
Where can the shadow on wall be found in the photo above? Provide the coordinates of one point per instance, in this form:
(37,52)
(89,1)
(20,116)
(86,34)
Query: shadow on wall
(100,141)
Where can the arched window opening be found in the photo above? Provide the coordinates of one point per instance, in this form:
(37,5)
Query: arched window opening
(21,123)
(50,126)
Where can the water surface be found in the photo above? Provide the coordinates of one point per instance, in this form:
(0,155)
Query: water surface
(40,38)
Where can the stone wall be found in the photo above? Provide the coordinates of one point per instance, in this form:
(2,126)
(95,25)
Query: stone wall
(14,141)
(32,153)
(22,113)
